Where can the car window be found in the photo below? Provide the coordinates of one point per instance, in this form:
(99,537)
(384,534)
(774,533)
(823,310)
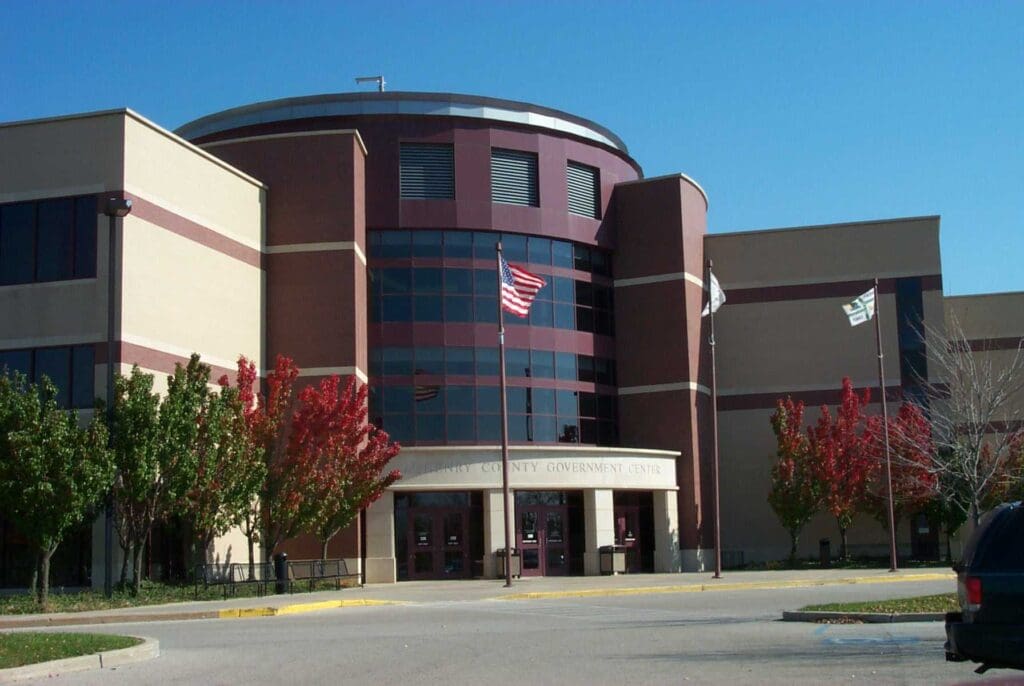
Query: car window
(971,547)
(1004,546)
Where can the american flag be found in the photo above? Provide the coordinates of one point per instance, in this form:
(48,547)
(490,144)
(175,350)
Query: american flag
(518,288)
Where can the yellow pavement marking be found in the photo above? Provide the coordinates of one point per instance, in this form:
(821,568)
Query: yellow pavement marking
(299,608)
(736,586)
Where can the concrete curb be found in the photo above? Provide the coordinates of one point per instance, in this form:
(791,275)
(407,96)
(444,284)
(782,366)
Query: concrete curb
(740,586)
(30,622)
(300,608)
(147,650)
(862,617)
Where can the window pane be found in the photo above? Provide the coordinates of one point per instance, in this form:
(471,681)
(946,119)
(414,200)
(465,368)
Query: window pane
(488,399)
(458,308)
(545,429)
(588,431)
(54,363)
(85,237)
(565,316)
(459,361)
(516,399)
(563,290)
(518,427)
(396,361)
(588,404)
(396,280)
(567,405)
(396,308)
(458,244)
(488,428)
(429,428)
(561,254)
(83,375)
(16,361)
(514,247)
(568,430)
(543,364)
(540,250)
(542,401)
(565,366)
(585,367)
(517,362)
(461,427)
(17,235)
(54,236)
(459,399)
(428,308)
(485,311)
(487,362)
(584,293)
(581,257)
(429,360)
(399,427)
(397,399)
(394,244)
(485,281)
(458,281)
(426,243)
(541,314)
(483,245)
(584,319)
(426,280)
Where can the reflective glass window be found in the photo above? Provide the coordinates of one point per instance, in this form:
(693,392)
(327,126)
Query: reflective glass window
(55,240)
(395,280)
(461,427)
(83,376)
(484,245)
(458,244)
(517,362)
(16,361)
(561,254)
(459,360)
(397,399)
(458,281)
(584,294)
(565,366)
(428,308)
(17,252)
(428,398)
(542,400)
(394,360)
(588,404)
(518,427)
(487,361)
(396,308)
(459,399)
(426,243)
(486,311)
(568,429)
(563,290)
(585,368)
(545,429)
(588,431)
(458,308)
(488,399)
(394,244)
(539,250)
(516,398)
(542,364)
(581,258)
(488,428)
(430,427)
(485,281)
(584,319)
(542,314)
(400,427)
(429,360)
(55,364)
(513,246)
(567,405)
(565,316)
(427,280)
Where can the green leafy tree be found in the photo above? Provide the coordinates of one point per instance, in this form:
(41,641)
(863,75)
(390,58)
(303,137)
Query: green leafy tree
(795,494)
(52,472)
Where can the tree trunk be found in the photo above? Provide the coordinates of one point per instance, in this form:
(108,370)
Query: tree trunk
(323,547)
(252,560)
(44,576)
(949,545)
(794,537)
(843,552)
(125,556)
(137,569)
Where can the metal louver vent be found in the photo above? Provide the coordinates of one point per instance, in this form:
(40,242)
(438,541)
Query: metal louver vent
(427,171)
(584,190)
(514,177)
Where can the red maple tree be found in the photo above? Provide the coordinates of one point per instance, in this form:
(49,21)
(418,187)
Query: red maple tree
(795,494)
(910,453)
(840,458)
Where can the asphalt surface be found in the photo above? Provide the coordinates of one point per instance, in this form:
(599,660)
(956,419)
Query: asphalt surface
(579,631)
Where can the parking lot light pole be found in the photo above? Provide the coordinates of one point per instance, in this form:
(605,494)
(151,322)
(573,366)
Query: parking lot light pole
(116,207)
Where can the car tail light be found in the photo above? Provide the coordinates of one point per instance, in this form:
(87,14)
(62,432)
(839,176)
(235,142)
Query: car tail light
(972,585)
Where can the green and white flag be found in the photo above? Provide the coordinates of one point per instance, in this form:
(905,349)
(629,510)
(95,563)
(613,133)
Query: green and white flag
(862,308)
(715,299)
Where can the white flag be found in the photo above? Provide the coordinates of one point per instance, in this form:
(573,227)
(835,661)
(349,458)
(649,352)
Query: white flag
(717,297)
(862,308)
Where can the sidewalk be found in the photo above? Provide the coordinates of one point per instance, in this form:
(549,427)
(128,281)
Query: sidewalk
(478,589)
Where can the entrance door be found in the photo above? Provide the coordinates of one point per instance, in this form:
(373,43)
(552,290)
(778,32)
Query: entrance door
(437,544)
(543,538)
(627,533)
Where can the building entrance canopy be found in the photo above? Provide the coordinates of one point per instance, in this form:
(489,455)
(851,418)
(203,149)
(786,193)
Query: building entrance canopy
(557,468)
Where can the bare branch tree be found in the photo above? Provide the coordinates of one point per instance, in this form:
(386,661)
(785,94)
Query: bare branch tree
(975,401)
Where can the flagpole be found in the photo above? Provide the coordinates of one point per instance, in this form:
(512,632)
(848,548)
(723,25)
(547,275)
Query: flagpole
(504,430)
(885,431)
(714,428)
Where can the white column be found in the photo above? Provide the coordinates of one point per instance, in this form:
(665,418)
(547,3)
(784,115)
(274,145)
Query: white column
(599,521)
(380,540)
(667,557)
(494,529)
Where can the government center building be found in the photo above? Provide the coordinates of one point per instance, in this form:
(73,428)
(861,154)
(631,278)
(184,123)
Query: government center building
(356,232)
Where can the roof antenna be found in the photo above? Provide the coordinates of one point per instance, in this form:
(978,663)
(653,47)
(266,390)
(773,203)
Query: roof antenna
(370,79)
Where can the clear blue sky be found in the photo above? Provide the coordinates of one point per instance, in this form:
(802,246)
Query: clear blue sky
(788,113)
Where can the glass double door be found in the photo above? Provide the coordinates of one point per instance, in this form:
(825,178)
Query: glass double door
(542,534)
(437,543)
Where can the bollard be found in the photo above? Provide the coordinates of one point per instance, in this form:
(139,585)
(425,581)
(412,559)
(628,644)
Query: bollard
(281,572)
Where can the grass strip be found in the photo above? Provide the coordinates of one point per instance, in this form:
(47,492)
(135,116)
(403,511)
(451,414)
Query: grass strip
(26,648)
(943,602)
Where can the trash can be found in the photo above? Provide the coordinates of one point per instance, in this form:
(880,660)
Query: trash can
(825,552)
(281,573)
(612,559)
(517,563)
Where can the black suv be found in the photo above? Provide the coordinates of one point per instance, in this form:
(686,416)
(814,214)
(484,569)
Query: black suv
(990,583)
